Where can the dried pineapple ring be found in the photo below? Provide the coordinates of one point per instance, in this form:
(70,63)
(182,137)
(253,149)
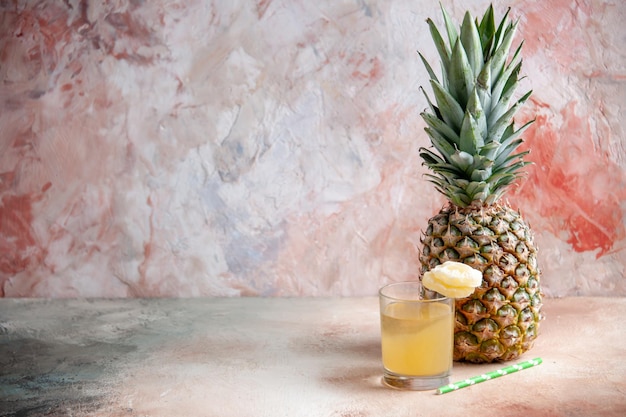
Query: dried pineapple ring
(452,279)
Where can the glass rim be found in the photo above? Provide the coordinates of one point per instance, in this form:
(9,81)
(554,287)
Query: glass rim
(407,300)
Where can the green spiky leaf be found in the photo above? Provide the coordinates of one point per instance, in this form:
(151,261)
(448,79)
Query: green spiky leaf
(440,143)
(483,90)
(462,159)
(470,38)
(475,108)
(460,75)
(445,131)
(496,131)
(504,100)
(429,69)
(451,111)
(471,138)
(499,57)
(453,35)
(442,48)
(487,30)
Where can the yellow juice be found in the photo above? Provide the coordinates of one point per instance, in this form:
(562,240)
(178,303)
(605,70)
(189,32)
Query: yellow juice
(417,338)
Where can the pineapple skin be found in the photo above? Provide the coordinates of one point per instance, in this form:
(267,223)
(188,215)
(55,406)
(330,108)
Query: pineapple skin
(500,320)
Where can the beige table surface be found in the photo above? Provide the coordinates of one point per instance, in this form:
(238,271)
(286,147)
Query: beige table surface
(282,357)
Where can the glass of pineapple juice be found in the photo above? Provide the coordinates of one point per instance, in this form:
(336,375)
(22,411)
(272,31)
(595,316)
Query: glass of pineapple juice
(416,337)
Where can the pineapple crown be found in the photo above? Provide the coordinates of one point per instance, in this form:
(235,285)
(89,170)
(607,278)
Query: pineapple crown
(470,125)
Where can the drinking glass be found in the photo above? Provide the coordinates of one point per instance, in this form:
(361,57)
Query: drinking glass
(417,337)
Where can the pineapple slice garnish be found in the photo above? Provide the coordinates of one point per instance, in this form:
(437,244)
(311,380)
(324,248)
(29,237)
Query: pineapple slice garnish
(452,279)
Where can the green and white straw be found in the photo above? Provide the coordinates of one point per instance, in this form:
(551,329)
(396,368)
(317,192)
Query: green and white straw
(489,375)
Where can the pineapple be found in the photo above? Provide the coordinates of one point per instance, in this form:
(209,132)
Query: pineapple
(472,161)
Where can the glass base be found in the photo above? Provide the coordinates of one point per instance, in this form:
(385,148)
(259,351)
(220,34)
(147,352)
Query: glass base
(415,383)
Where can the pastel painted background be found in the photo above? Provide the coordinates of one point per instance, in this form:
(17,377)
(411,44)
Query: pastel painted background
(237,148)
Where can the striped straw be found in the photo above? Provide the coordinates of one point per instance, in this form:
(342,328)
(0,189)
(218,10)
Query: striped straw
(489,375)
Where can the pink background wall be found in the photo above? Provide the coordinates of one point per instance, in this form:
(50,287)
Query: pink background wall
(197,148)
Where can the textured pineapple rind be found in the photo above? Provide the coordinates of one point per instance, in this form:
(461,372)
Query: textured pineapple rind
(500,320)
